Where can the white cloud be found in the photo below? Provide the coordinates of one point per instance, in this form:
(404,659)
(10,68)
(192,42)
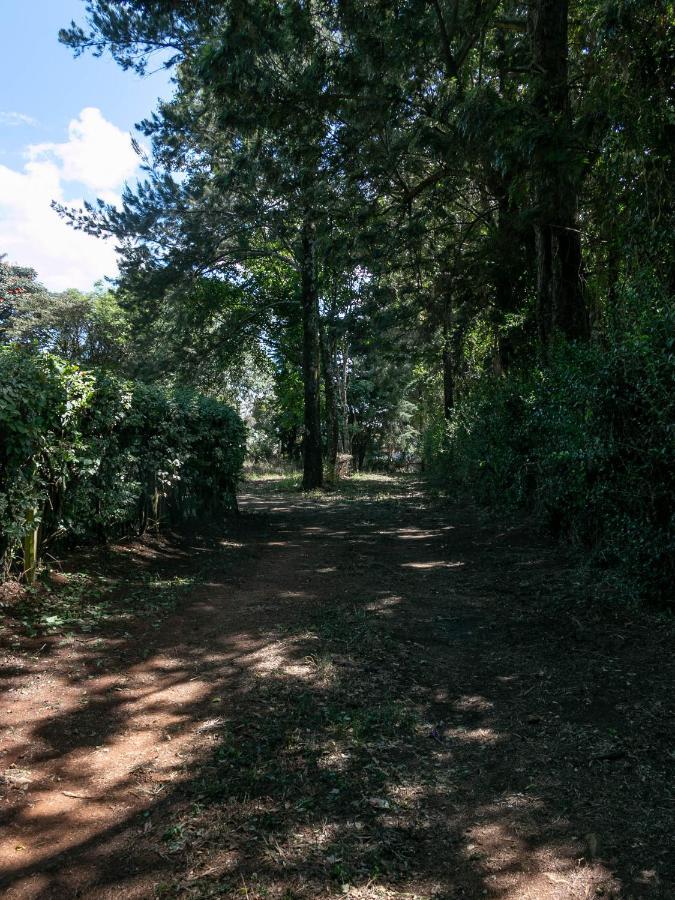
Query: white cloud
(14,119)
(97,154)
(97,158)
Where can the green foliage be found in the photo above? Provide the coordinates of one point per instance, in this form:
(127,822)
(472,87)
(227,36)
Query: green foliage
(89,329)
(18,286)
(41,400)
(587,443)
(84,453)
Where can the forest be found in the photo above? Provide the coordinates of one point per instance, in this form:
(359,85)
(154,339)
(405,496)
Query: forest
(364,463)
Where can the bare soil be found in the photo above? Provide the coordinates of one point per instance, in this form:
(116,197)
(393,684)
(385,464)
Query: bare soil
(370,694)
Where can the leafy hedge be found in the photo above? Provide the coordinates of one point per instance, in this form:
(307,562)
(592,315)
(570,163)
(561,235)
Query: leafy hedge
(85,454)
(587,443)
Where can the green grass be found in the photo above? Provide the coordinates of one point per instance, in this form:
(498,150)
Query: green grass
(374,486)
(87,601)
(274,480)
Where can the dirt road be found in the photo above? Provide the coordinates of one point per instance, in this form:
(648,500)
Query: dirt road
(365,695)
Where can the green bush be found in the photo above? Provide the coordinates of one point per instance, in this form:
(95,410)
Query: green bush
(84,454)
(41,401)
(587,444)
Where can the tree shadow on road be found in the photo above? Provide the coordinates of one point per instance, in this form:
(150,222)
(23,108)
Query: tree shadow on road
(363,695)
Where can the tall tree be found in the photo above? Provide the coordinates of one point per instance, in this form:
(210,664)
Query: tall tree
(560,299)
(19,292)
(247,129)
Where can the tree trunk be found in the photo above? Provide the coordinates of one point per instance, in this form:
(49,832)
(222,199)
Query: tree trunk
(31,549)
(311,446)
(448,354)
(289,443)
(448,374)
(332,413)
(345,435)
(560,302)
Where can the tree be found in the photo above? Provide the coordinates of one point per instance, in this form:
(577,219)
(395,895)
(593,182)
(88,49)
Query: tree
(90,329)
(560,299)
(19,290)
(247,132)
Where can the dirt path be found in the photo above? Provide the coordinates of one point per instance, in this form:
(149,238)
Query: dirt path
(370,695)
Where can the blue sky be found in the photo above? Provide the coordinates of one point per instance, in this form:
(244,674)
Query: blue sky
(64,135)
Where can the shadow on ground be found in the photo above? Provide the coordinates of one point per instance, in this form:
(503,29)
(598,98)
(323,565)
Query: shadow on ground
(367,694)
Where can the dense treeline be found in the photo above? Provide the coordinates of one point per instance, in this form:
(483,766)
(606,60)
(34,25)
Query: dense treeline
(87,455)
(417,231)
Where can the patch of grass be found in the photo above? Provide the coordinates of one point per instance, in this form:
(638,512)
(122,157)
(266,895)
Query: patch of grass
(377,477)
(272,482)
(361,485)
(370,486)
(322,665)
(371,722)
(352,628)
(87,601)
(281,474)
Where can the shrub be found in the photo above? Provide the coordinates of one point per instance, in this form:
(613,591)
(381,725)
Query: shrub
(84,454)
(587,444)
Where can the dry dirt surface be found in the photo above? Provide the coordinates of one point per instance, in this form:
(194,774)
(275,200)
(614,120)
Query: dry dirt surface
(369,694)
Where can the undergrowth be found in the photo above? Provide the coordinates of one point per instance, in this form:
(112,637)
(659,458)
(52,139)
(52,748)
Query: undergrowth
(85,602)
(586,443)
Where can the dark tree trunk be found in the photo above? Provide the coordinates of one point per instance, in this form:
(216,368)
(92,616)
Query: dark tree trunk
(332,413)
(560,302)
(360,441)
(443,313)
(448,363)
(288,441)
(311,445)
(345,436)
(448,383)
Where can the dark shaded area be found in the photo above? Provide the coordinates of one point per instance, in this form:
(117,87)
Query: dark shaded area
(370,694)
